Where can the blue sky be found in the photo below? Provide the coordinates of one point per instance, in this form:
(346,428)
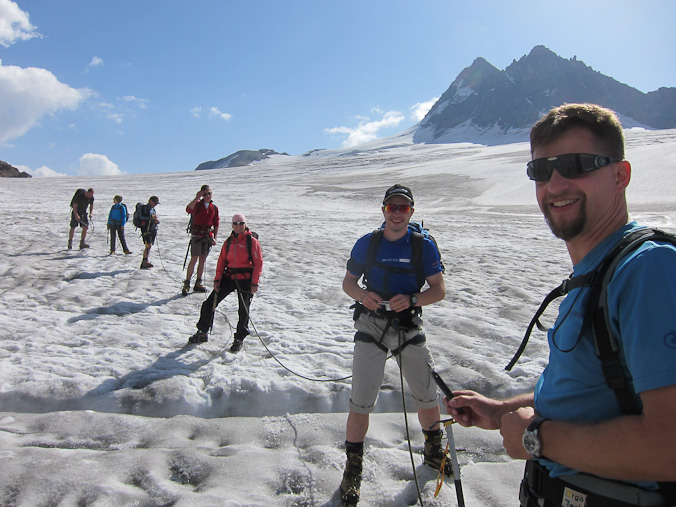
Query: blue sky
(91,87)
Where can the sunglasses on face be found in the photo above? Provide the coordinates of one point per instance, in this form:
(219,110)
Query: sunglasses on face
(402,208)
(570,165)
(238,223)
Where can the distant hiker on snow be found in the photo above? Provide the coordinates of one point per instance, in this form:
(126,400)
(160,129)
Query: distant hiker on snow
(148,225)
(239,269)
(117,217)
(203,228)
(80,201)
(388,319)
(600,427)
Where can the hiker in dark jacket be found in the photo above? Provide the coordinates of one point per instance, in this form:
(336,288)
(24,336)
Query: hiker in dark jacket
(78,217)
(149,222)
(116,220)
(239,269)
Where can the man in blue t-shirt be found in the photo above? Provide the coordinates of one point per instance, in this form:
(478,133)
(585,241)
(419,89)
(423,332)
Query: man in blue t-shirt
(395,263)
(582,449)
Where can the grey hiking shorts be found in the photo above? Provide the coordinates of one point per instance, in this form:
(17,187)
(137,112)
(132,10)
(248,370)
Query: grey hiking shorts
(368,366)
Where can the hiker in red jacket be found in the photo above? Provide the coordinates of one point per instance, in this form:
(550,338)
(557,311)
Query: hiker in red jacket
(239,269)
(203,229)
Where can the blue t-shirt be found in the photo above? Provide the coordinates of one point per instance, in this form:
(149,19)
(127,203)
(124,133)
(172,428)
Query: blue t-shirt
(396,254)
(642,311)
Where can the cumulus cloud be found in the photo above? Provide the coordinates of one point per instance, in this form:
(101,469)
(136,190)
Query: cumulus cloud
(196,112)
(14,24)
(214,111)
(419,110)
(96,62)
(368,129)
(41,172)
(92,164)
(28,95)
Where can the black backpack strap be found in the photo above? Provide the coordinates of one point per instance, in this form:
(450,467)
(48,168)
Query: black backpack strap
(566,286)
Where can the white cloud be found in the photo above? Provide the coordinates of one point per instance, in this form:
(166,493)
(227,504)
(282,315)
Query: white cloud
(29,94)
(368,129)
(41,172)
(214,111)
(422,108)
(96,61)
(92,164)
(141,103)
(14,24)
(196,111)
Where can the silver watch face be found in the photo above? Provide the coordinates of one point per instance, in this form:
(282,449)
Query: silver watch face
(531,443)
(414,300)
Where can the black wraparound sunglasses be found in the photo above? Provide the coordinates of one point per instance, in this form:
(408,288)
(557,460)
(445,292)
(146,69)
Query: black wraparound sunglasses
(570,165)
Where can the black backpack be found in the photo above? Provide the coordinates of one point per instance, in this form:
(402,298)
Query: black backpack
(141,215)
(596,314)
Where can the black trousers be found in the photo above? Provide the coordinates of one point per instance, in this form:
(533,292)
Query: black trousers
(120,233)
(244,295)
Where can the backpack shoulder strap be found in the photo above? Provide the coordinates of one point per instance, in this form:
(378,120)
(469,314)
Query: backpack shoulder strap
(249,241)
(607,348)
(374,243)
(417,240)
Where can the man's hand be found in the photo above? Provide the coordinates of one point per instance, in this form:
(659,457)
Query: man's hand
(217,285)
(254,288)
(477,410)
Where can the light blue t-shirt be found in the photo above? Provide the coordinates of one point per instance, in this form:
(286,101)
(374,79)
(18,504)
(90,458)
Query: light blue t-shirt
(642,311)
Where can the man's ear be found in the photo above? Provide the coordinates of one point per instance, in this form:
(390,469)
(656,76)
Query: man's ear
(623,174)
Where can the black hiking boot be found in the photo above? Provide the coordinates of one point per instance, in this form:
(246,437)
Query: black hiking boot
(127,252)
(70,244)
(198,337)
(351,485)
(145,264)
(236,345)
(186,288)
(199,287)
(435,455)
(83,245)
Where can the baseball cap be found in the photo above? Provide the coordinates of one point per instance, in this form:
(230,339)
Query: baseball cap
(401,190)
(155,198)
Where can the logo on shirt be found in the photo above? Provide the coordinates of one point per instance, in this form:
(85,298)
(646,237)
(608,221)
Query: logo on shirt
(670,339)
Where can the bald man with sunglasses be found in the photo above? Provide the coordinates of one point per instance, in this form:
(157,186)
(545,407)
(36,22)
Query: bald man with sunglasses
(582,448)
(388,320)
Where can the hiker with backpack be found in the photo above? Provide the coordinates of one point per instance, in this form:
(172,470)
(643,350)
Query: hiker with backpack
(600,428)
(146,218)
(239,269)
(203,231)
(78,216)
(395,262)
(117,217)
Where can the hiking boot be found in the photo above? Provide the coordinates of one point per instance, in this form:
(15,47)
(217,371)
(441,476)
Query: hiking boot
(199,287)
(434,454)
(236,345)
(112,252)
(83,245)
(186,288)
(127,252)
(198,337)
(145,264)
(70,244)
(351,485)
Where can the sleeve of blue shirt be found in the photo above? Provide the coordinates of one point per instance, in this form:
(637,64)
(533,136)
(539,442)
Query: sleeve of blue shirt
(642,309)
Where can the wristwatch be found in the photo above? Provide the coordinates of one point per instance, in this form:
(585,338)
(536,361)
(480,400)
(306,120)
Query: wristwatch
(414,300)
(531,439)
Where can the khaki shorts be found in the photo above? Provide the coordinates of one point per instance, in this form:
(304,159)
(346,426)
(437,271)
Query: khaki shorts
(368,366)
(200,245)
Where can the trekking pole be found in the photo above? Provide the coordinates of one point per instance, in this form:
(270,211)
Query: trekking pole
(454,463)
(186,253)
